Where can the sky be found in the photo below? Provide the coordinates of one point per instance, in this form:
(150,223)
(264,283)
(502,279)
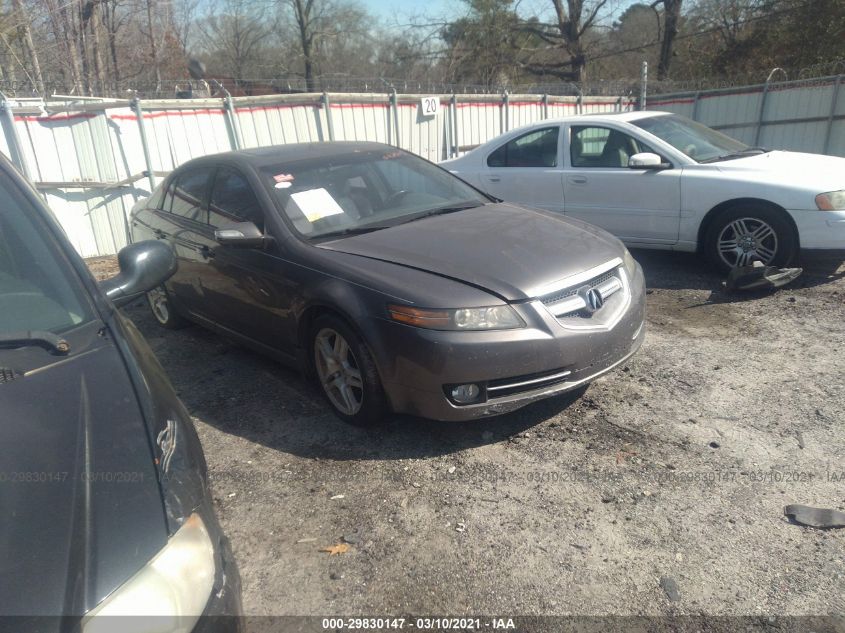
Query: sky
(401,12)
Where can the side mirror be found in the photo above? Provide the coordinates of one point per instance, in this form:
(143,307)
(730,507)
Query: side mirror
(143,266)
(240,235)
(647,160)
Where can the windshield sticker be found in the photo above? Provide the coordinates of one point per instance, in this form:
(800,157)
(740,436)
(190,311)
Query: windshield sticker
(283,177)
(391,155)
(283,185)
(315,204)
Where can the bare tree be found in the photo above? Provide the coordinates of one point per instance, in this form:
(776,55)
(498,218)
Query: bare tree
(671,18)
(565,37)
(21,16)
(235,39)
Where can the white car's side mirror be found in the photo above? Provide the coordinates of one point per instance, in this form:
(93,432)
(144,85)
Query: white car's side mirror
(647,160)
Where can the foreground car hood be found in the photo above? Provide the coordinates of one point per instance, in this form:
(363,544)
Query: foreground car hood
(505,249)
(80,500)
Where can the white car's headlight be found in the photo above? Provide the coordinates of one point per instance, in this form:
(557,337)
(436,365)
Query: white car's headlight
(831,201)
(500,317)
(171,590)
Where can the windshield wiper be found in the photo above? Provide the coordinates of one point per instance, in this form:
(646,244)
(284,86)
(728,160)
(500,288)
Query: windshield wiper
(442,211)
(354,230)
(35,338)
(748,151)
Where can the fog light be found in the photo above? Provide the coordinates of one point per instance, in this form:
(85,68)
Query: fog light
(464,394)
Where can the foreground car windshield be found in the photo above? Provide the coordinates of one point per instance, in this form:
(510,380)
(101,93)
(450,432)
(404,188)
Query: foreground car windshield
(37,291)
(697,141)
(365,191)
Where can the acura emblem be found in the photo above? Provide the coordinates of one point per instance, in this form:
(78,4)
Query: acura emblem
(594,300)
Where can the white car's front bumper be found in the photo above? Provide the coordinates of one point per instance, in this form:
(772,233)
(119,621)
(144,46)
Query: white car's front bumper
(820,229)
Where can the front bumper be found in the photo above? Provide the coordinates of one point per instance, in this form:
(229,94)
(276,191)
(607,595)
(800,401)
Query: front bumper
(416,364)
(820,230)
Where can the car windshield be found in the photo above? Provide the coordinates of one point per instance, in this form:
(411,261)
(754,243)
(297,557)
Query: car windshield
(697,141)
(365,191)
(38,291)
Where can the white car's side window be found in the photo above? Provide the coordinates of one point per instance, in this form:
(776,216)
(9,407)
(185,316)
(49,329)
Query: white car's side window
(537,148)
(594,146)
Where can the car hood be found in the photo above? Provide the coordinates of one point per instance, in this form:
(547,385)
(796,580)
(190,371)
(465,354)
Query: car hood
(817,171)
(505,249)
(82,511)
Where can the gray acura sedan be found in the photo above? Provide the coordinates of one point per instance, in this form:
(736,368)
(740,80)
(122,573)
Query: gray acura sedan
(397,285)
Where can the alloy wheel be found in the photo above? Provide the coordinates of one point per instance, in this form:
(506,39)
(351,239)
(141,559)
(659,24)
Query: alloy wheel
(744,240)
(157,299)
(338,371)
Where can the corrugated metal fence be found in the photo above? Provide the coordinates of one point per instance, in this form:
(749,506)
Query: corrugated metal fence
(803,115)
(92,159)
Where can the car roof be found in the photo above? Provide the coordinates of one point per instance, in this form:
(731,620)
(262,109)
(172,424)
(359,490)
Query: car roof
(259,157)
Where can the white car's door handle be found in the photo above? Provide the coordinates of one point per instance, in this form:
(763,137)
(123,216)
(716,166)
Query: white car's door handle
(494,178)
(578,180)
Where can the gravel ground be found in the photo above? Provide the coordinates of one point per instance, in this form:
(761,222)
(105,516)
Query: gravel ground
(658,491)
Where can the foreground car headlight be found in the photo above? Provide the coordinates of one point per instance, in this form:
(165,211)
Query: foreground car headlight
(501,317)
(831,201)
(629,262)
(171,590)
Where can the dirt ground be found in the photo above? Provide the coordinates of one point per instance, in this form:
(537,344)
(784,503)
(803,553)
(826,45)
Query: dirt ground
(658,491)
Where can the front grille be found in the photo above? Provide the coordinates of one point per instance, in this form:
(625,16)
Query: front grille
(571,292)
(594,302)
(7,375)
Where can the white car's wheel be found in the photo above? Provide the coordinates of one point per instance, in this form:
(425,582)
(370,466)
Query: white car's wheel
(163,311)
(744,234)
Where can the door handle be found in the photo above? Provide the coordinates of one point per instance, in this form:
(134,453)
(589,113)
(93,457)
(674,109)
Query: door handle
(159,234)
(578,180)
(206,252)
(494,178)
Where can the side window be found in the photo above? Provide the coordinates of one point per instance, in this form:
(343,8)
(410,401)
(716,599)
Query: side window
(189,193)
(167,201)
(233,200)
(537,148)
(602,147)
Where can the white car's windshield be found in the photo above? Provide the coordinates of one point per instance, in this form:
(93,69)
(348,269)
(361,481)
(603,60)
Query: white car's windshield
(37,291)
(365,191)
(697,141)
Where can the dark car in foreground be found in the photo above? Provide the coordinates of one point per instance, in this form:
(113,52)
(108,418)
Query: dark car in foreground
(103,486)
(394,282)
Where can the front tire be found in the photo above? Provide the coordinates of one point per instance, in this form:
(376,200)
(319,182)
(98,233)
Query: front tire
(744,234)
(347,373)
(163,311)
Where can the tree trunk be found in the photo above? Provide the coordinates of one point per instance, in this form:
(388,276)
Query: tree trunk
(306,39)
(153,48)
(29,49)
(671,16)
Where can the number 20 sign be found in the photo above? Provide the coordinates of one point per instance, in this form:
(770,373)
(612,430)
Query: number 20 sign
(429,106)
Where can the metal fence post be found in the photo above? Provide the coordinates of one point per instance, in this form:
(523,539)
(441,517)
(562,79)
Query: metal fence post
(396,129)
(328,108)
(455,140)
(229,116)
(833,102)
(545,106)
(643,86)
(763,105)
(136,106)
(12,140)
(229,107)
(695,106)
(506,111)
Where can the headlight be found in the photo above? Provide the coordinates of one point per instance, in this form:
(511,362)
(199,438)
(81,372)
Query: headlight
(831,201)
(491,318)
(629,261)
(171,590)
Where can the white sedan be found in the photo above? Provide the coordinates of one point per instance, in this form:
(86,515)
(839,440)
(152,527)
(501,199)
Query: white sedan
(659,180)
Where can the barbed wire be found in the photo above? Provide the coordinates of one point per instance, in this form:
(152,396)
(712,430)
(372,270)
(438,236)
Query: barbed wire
(817,74)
